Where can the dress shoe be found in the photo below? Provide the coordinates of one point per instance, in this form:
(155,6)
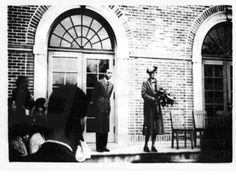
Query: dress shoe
(106,150)
(100,150)
(146,149)
(153,149)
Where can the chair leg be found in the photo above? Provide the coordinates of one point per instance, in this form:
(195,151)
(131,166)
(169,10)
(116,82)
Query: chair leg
(195,138)
(172,140)
(200,138)
(192,138)
(185,139)
(177,140)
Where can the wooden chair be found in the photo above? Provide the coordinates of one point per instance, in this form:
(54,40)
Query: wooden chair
(199,124)
(179,127)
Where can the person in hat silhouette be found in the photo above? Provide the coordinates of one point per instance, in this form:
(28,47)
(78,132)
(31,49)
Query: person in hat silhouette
(153,121)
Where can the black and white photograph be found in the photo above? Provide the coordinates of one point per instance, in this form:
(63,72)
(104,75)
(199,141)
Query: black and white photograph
(128,83)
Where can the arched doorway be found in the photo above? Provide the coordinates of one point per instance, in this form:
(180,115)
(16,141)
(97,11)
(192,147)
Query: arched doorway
(217,70)
(121,57)
(80,48)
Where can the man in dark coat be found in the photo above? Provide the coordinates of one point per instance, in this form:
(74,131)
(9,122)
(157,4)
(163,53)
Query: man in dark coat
(153,121)
(101,98)
(67,108)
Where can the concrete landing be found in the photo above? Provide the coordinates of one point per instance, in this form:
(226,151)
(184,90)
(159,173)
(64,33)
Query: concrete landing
(133,153)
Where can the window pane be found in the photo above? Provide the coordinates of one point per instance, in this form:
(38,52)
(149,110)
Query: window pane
(219,97)
(78,31)
(208,84)
(208,70)
(218,83)
(71,65)
(58,64)
(210,111)
(90,34)
(91,79)
(65,44)
(103,33)
(218,71)
(86,20)
(76,19)
(219,108)
(96,25)
(103,66)
(72,33)
(85,31)
(94,40)
(58,79)
(92,66)
(85,43)
(59,30)
(66,23)
(106,44)
(97,45)
(75,44)
(68,38)
(71,78)
(55,41)
(209,97)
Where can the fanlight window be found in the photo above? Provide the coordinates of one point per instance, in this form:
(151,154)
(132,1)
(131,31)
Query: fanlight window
(218,41)
(80,32)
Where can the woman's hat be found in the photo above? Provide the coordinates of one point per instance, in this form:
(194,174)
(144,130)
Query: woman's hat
(151,70)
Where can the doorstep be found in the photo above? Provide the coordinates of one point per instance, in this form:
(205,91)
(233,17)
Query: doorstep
(133,153)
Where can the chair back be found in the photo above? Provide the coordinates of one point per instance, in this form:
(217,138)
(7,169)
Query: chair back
(177,119)
(199,119)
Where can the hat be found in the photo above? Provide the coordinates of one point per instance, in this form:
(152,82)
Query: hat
(151,70)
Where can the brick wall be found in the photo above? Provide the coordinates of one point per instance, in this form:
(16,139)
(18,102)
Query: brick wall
(160,31)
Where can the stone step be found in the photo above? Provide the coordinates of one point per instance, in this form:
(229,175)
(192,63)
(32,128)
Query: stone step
(133,153)
(171,157)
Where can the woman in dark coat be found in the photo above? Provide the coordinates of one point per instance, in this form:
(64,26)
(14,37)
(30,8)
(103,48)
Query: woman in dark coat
(22,101)
(153,121)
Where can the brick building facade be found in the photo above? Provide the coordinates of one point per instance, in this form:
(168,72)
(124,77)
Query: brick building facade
(170,37)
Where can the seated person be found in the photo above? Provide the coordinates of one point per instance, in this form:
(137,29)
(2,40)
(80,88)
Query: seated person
(38,113)
(67,107)
(18,141)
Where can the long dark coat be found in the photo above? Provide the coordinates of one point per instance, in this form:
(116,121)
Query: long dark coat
(101,98)
(153,121)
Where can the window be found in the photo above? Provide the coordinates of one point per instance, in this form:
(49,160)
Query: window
(217,60)
(218,41)
(81,29)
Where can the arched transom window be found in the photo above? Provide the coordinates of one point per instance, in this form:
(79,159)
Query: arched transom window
(81,29)
(218,41)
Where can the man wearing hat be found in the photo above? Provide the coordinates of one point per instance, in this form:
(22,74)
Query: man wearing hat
(153,121)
